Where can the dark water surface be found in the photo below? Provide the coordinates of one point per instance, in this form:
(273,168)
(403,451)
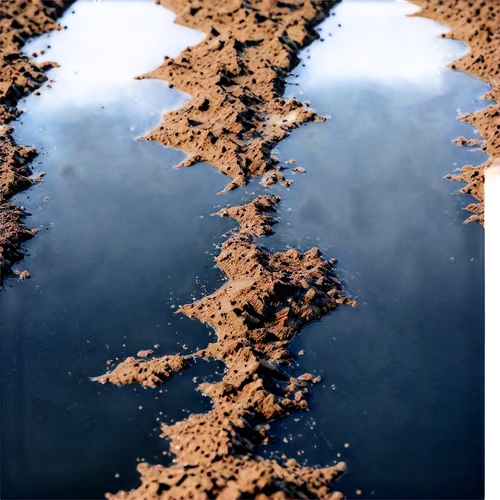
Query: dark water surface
(121,243)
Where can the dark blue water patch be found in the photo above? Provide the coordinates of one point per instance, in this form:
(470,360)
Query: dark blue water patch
(403,373)
(68,444)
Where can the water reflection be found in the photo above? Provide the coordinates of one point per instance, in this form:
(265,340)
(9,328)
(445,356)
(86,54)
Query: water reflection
(402,374)
(123,242)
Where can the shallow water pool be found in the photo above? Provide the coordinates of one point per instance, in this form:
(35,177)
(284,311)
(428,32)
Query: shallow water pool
(125,239)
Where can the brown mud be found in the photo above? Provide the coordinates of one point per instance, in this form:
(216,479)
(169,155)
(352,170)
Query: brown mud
(266,300)
(477,23)
(19,76)
(236,79)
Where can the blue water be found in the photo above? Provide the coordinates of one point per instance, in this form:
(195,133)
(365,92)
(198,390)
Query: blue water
(122,241)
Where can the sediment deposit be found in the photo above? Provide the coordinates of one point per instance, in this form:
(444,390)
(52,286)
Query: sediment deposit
(266,300)
(236,115)
(236,79)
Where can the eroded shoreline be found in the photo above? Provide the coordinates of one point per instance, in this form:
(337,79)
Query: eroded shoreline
(19,76)
(475,22)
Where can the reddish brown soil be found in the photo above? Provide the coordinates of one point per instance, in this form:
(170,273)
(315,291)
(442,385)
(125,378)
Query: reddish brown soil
(19,76)
(476,22)
(267,299)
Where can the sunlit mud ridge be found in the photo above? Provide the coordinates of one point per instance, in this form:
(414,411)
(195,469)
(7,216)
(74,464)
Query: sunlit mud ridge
(236,78)
(477,23)
(19,76)
(266,300)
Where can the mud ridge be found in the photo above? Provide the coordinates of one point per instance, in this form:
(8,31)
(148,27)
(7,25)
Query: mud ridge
(19,76)
(267,299)
(236,79)
(477,23)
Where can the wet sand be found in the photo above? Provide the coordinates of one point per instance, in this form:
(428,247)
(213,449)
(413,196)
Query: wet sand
(475,23)
(235,117)
(19,76)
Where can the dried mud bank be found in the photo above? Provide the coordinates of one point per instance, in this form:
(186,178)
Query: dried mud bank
(477,23)
(266,300)
(19,76)
(236,78)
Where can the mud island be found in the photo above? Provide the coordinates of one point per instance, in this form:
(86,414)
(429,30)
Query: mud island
(19,76)
(236,79)
(476,23)
(267,299)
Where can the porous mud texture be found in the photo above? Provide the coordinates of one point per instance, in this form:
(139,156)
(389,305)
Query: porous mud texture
(477,23)
(147,372)
(266,300)
(236,79)
(19,76)
(15,173)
